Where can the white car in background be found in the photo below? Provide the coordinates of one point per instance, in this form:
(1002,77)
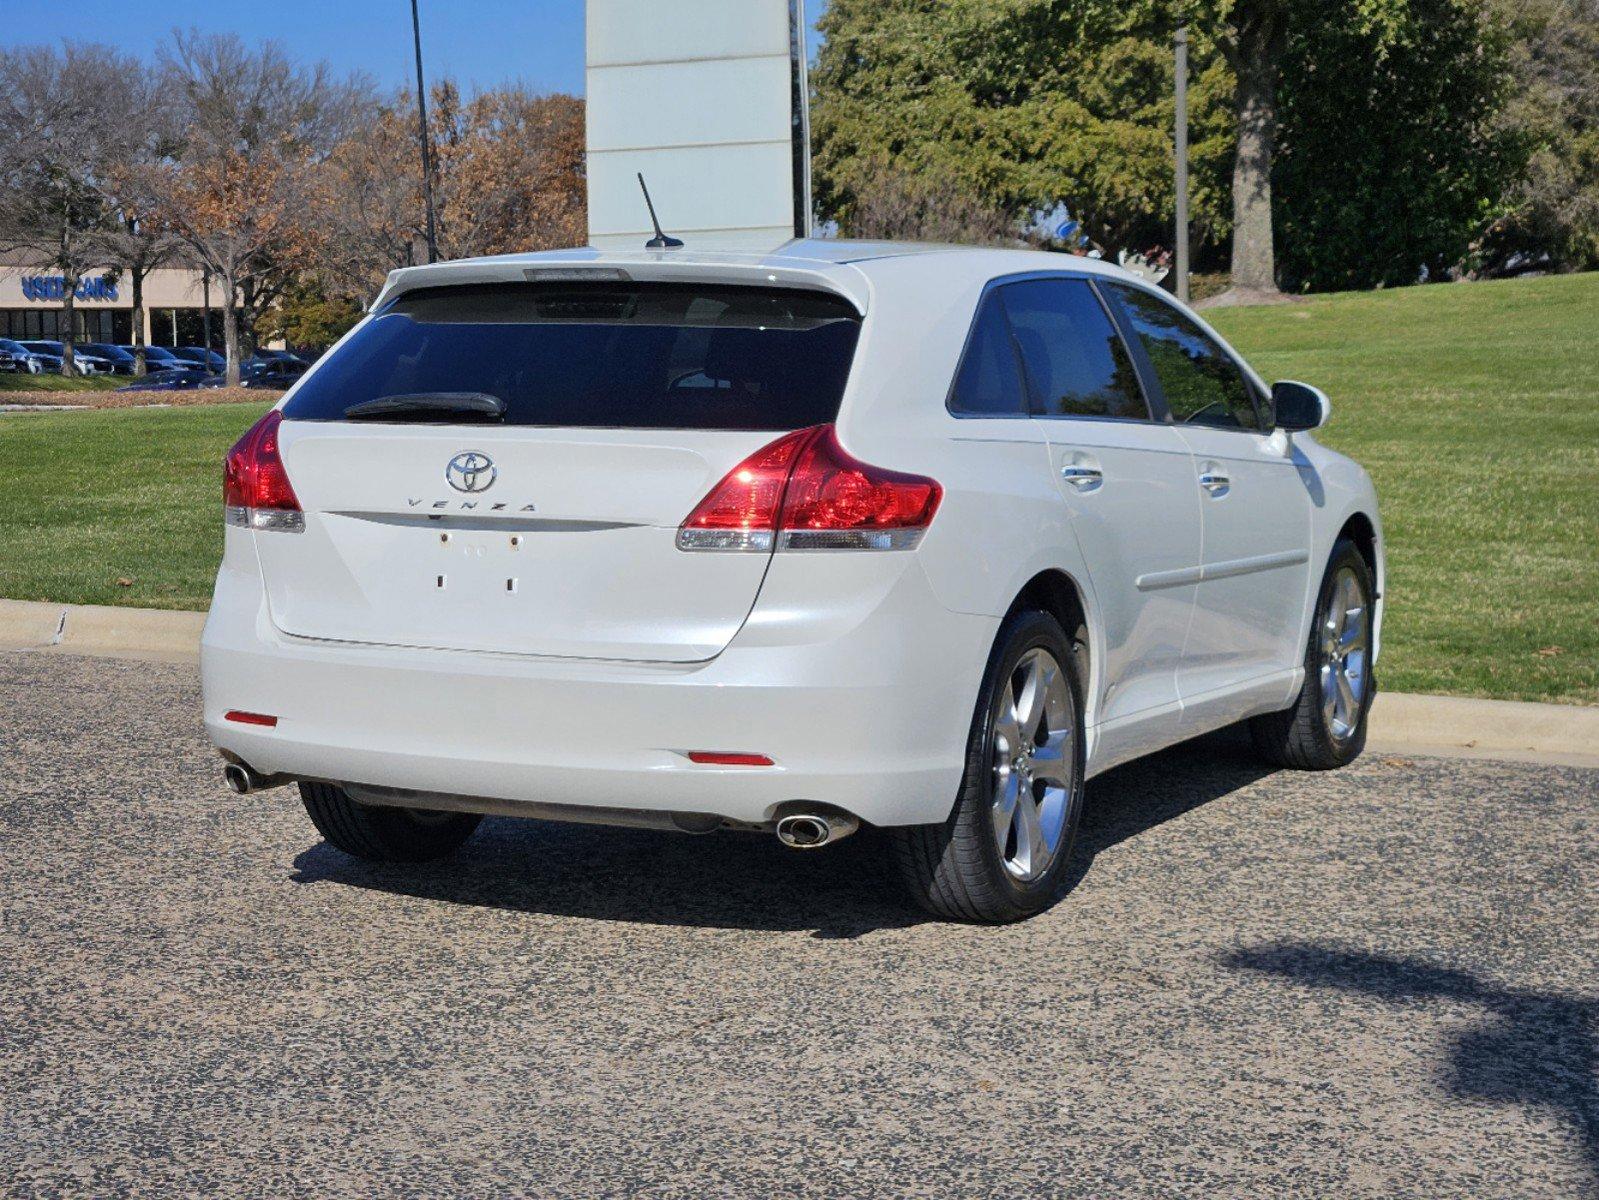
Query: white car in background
(921,537)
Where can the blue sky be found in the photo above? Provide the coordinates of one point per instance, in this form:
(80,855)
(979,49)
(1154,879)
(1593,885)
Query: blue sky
(480,42)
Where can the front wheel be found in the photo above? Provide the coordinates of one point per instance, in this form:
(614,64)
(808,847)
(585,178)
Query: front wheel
(387,835)
(1326,727)
(1003,851)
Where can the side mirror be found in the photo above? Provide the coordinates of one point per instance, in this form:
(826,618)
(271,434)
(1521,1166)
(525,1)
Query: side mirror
(1300,406)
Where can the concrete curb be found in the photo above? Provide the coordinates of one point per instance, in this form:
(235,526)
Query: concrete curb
(145,634)
(1430,726)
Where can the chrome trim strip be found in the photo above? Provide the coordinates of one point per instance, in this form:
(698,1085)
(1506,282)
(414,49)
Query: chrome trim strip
(1156,580)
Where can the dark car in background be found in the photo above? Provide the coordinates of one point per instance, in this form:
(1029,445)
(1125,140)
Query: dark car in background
(210,360)
(275,376)
(41,361)
(55,353)
(158,357)
(14,356)
(122,363)
(169,379)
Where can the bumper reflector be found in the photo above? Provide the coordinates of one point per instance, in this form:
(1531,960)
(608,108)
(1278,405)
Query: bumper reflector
(713,758)
(250,718)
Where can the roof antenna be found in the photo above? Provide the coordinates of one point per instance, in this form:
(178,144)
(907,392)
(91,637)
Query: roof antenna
(660,241)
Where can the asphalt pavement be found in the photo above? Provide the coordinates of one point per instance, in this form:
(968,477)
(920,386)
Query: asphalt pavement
(1378,982)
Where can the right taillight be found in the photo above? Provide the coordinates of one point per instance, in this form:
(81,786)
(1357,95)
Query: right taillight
(256,492)
(805,492)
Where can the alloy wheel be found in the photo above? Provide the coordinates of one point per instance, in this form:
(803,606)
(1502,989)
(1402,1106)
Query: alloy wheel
(1030,744)
(1345,655)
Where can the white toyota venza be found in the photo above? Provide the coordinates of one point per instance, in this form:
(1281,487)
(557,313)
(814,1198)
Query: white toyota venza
(912,536)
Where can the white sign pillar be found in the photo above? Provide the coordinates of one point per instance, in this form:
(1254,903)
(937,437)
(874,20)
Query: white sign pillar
(708,98)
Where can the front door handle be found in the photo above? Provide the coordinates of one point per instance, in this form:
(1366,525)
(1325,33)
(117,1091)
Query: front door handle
(1215,481)
(1080,476)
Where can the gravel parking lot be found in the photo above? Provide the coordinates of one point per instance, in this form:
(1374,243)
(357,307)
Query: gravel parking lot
(1374,983)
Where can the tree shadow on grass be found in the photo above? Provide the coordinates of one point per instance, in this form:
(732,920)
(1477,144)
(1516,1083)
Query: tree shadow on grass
(1533,1047)
(745,881)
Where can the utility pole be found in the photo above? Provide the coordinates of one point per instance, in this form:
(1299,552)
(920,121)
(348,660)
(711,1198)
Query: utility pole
(1181,265)
(422,128)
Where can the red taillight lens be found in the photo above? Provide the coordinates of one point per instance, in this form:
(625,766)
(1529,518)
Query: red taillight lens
(256,492)
(835,501)
(740,513)
(804,492)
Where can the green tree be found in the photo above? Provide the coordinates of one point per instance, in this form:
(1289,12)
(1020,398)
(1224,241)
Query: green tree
(1551,210)
(1019,104)
(1393,155)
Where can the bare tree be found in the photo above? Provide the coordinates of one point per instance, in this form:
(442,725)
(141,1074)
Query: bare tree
(134,237)
(61,118)
(894,204)
(508,177)
(253,127)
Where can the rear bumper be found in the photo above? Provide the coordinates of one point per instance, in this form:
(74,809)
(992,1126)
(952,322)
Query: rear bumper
(863,703)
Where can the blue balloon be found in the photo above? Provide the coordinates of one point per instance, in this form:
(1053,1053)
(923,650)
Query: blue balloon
(1066,231)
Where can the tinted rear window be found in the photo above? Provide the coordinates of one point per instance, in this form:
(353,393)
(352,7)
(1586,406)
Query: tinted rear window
(627,356)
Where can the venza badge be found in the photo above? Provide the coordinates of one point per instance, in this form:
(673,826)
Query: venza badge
(471,472)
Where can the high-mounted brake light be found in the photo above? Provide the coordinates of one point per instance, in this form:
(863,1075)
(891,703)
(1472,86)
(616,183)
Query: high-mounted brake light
(805,492)
(256,492)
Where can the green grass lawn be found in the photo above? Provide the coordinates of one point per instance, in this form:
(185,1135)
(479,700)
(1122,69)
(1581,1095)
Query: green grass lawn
(21,381)
(88,499)
(1476,408)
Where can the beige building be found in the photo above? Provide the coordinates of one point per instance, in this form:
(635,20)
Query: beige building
(175,300)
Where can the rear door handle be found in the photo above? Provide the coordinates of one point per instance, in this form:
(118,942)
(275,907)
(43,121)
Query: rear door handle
(1080,476)
(1215,481)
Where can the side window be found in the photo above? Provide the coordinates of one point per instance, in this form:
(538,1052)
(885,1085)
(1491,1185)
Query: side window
(988,382)
(1203,386)
(1074,360)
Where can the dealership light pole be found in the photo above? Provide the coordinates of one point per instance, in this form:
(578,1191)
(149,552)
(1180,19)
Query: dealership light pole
(1181,265)
(422,126)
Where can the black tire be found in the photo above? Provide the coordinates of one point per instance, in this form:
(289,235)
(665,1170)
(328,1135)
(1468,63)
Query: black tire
(1301,737)
(385,835)
(956,869)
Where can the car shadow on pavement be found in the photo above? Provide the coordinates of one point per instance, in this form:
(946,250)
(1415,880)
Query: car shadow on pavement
(746,881)
(1534,1048)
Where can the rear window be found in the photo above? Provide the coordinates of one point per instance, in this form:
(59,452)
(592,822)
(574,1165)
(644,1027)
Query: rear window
(625,356)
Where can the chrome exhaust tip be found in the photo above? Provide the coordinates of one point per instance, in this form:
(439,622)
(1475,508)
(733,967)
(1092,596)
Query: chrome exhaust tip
(813,830)
(242,779)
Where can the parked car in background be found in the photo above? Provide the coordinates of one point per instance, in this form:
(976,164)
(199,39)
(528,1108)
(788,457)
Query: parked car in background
(14,356)
(122,363)
(41,361)
(275,375)
(920,537)
(158,357)
(169,379)
(85,363)
(200,356)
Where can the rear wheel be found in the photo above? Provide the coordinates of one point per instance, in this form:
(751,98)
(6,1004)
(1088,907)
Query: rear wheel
(1001,854)
(384,834)
(1326,727)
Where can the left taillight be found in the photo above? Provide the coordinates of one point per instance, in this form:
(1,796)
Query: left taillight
(256,492)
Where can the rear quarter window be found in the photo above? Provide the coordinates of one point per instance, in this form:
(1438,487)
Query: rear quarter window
(631,356)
